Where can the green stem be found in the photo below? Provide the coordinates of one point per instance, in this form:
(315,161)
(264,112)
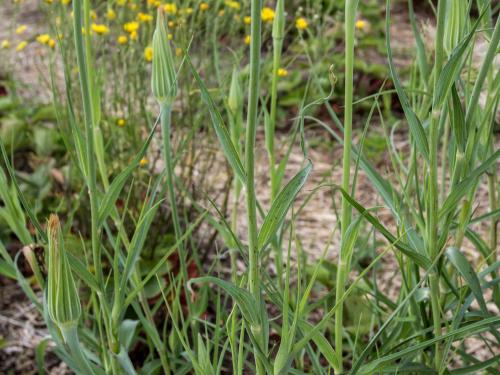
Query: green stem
(433,194)
(350,14)
(253,98)
(166,111)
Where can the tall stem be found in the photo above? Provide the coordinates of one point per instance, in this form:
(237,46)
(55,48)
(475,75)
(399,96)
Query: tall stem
(253,98)
(166,115)
(350,14)
(433,194)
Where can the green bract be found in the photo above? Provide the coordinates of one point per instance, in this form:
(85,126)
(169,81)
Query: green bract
(62,295)
(163,79)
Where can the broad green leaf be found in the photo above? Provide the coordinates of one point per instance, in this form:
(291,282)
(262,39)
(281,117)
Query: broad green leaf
(416,128)
(451,69)
(246,302)
(220,129)
(110,197)
(463,266)
(458,120)
(465,185)
(417,257)
(280,206)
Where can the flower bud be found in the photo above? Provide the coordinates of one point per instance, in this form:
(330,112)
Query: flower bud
(163,80)
(62,295)
(235,98)
(279,21)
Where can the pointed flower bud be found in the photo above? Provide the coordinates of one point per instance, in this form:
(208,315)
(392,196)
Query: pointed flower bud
(279,21)
(235,98)
(62,295)
(163,80)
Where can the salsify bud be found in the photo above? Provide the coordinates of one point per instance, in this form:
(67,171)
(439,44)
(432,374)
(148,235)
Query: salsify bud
(279,21)
(63,302)
(163,80)
(235,98)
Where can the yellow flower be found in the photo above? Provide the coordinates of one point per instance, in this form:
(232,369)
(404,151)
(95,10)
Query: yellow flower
(110,14)
(360,24)
(148,54)
(247,20)
(93,15)
(122,39)
(121,2)
(171,24)
(65,2)
(133,35)
(5,44)
(143,162)
(21,29)
(99,29)
(143,17)
(203,6)
(170,8)
(301,23)
(130,27)
(132,6)
(282,72)
(233,4)
(170,36)
(187,11)
(22,45)
(49,1)
(247,39)
(43,38)
(178,51)
(52,43)
(267,14)
(120,122)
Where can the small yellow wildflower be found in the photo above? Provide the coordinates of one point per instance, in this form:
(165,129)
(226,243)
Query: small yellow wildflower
(99,29)
(121,2)
(233,4)
(5,44)
(143,162)
(247,39)
(143,17)
(203,6)
(52,43)
(120,122)
(267,14)
(133,35)
(22,45)
(171,24)
(130,27)
(110,14)
(170,8)
(93,15)
(21,29)
(65,2)
(282,72)
(43,38)
(187,11)
(148,54)
(178,51)
(301,23)
(360,24)
(247,20)
(170,37)
(132,6)
(122,39)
